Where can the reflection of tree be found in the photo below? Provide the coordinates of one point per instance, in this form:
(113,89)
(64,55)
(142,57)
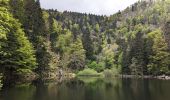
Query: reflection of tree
(41,90)
(19,92)
(159,89)
(135,89)
(98,89)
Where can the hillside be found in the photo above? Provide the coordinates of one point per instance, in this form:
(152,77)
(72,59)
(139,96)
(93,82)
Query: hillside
(143,36)
(133,41)
(135,30)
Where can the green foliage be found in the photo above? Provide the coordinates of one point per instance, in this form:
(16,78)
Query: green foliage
(110,73)
(64,41)
(127,29)
(122,43)
(97,29)
(136,40)
(17,11)
(88,45)
(160,58)
(77,55)
(120,58)
(89,72)
(23,71)
(16,51)
(75,30)
(135,67)
(107,56)
(137,52)
(99,67)
(73,54)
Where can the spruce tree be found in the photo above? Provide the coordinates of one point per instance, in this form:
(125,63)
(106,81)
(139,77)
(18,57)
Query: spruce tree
(88,44)
(17,9)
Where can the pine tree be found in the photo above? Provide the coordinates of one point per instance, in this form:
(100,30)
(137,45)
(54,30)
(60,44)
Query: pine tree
(167,32)
(29,19)
(137,48)
(34,26)
(75,30)
(135,67)
(87,44)
(55,30)
(17,9)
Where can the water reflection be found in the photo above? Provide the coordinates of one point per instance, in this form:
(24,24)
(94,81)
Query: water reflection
(90,89)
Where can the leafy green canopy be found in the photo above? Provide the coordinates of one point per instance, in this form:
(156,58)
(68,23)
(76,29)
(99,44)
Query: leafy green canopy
(160,58)
(16,52)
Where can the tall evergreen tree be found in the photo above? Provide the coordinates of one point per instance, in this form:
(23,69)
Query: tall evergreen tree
(87,44)
(17,9)
(34,27)
(29,19)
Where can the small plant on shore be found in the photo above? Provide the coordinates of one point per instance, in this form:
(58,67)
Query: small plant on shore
(89,72)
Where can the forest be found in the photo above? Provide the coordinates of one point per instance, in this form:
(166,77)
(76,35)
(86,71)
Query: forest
(36,42)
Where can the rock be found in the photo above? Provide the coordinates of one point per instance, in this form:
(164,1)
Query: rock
(161,77)
(167,77)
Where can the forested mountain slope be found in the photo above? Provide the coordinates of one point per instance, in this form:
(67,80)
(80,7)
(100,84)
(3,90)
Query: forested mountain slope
(133,41)
(141,32)
(143,35)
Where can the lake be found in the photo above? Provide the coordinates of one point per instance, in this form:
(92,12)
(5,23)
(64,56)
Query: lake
(90,89)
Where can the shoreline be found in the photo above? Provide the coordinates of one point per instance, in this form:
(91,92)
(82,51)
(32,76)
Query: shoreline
(162,77)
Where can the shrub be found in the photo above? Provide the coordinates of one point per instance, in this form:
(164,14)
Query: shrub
(108,73)
(89,72)
(99,67)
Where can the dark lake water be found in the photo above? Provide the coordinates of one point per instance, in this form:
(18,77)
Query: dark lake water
(90,89)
